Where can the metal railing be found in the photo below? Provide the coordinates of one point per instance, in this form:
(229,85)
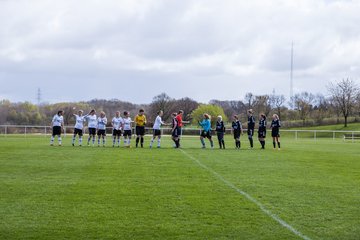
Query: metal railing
(6,130)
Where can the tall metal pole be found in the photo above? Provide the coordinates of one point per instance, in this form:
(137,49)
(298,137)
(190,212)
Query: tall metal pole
(291,75)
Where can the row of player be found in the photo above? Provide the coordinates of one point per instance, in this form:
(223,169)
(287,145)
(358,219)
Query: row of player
(122,126)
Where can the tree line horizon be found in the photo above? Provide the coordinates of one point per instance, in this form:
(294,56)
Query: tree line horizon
(304,109)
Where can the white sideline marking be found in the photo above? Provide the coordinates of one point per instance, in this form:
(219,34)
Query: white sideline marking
(250,198)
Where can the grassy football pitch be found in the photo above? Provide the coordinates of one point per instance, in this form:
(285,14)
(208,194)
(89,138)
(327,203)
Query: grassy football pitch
(308,190)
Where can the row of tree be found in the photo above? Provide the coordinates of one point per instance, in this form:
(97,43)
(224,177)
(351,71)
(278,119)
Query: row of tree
(343,101)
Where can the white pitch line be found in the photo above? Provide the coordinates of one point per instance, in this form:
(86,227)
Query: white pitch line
(249,197)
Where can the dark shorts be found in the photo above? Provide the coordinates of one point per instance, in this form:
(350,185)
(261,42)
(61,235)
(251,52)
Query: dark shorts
(127,133)
(56,130)
(179,131)
(220,135)
(157,132)
(101,132)
(275,133)
(140,131)
(236,135)
(206,134)
(92,131)
(250,132)
(78,132)
(116,132)
(175,133)
(262,134)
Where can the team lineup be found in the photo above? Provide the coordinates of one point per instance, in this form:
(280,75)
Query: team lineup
(122,127)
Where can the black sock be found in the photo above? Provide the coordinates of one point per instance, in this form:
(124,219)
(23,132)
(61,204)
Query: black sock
(142,141)
(263,144)
(279,144)
(251,142)
(223,143)
(274,144)
(137,141)
(177,143)
(220,144)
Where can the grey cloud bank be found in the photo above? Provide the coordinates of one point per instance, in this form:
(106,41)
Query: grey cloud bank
(133,50)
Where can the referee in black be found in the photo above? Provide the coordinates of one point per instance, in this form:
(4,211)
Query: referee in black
(262,130)
(251,127)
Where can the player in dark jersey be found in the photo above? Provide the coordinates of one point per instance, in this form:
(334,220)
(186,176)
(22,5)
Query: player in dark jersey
(237,130)
(275,125)
(262,130)
(251,127)
(220,130)
(174,130)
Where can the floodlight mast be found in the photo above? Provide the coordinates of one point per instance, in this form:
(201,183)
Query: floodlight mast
(291,76)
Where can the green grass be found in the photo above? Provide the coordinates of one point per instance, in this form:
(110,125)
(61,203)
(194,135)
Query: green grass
(321,131)
(337,127)
(104,193)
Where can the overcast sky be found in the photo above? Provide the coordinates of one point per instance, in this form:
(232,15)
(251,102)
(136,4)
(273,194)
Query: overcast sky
(212,49)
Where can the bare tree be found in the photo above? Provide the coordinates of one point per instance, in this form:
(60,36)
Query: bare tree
(230,107)
(186,104)
(344,94)
(161,102)
(358,104)
(249,100)
(238,106)
(262,104)
(113,105)
(277,102)
(321,108)
(303,104)
(5,105)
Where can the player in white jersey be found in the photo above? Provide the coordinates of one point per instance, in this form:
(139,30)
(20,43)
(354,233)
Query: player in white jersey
(117,124)
(57,124)
(101,128)
(79,126)
(92,124)
(156,129)
(127,129)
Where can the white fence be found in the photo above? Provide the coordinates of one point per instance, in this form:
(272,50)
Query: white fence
(28,130)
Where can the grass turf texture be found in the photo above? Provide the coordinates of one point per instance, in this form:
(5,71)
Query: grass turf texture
(106,193)
(338,127)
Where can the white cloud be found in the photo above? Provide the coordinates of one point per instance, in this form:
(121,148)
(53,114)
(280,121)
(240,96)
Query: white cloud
(244,45)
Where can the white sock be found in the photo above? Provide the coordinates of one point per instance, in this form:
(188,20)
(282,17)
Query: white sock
(159,141)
